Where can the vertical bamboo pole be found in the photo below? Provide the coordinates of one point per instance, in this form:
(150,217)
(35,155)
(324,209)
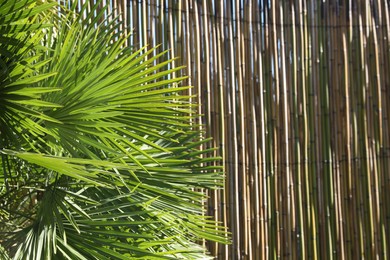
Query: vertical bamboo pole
(376,125)
(262,243)
(385,229)
(355,165)
(269,173)
(337,103)
(124,11)
(188,46)
(300,232)
(129,22)
(242,74)
(224,100)
(152,36)
(197,65)
(171,36)
(285,142)
(360,147)
(163,27)
(206,67)
(292,166)
(312,159)
(270,142)
(365,148)
(206,85)
(315,127)
(243,110)
(276,127)
(219,104)
(249,132)
(256,237)
(216,201)
(135,22)
(234,151)
(310,224)
(179,32)
(144,24)
(328,87)
(348,210)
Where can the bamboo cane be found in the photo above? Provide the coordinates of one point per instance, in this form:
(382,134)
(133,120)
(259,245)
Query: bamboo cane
(300,232)
(171,36)
(218,105)
(376,125)
(276,129)
(269,154)
(245,11)
(179,32)
(386,112)
(287,246)
(188,47)
(348,157)
(135,23)
(197,65)
(232,134)
(312,133)
(257,238)
(309,227)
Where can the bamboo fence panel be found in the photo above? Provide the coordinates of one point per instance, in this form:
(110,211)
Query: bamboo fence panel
(296,95)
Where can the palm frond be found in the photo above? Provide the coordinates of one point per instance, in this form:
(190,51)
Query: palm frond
(100,159)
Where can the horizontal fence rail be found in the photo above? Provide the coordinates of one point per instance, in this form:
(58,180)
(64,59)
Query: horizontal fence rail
(296,96)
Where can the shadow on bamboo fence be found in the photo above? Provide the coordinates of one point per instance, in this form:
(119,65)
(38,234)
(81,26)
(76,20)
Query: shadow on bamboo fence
(296,96)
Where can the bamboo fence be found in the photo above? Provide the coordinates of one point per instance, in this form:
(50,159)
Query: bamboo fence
(296,95)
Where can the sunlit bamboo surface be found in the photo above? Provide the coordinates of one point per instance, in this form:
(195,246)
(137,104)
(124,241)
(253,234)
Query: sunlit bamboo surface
(296,94)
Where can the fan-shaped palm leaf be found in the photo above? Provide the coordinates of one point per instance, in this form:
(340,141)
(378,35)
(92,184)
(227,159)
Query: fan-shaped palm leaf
(99,157)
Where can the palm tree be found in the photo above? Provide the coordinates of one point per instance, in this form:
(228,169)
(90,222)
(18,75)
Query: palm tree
(99,158)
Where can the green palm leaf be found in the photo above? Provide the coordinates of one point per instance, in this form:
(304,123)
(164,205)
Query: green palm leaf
(99,156)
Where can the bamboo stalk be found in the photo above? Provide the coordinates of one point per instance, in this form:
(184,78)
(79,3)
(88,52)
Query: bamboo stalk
(206,85)
(179,31)
(327,87)
(300,231)
(338,132)
(219,103)
(312,133)
(348,210)
(269,119)
(197,65)
(385,112)
(309,228)
(119,12)
(355,163)
(376,119)
(188,47)
(223,96)
(241,147)
(276,127)
(135,23)
(144,24)
(171,36)
(262,240)
(233,160)
(256,236)
(285,142)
